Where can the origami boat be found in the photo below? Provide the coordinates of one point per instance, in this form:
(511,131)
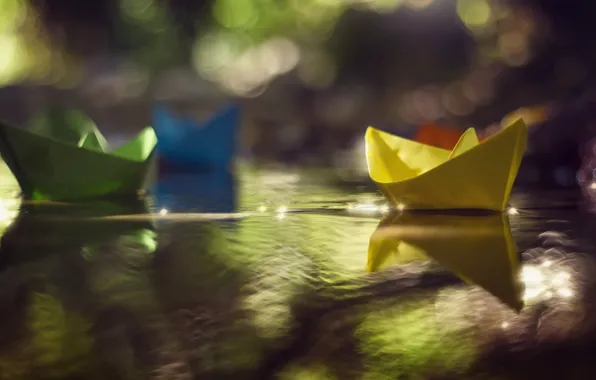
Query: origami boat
(70,161)
(478,249)
(473,175)
(187,143)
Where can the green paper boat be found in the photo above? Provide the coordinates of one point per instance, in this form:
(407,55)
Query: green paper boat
(63,156)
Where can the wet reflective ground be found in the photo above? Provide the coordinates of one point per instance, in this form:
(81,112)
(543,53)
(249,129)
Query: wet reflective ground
(266,277)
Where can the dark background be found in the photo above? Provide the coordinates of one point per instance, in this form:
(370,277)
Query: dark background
(383,62)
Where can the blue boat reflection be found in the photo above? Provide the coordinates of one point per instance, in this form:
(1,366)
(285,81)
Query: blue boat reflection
(209,192)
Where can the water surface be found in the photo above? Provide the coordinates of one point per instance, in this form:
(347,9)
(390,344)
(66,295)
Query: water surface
(265,276)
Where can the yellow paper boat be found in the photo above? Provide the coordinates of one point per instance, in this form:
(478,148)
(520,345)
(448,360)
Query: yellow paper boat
(479,249)
(473,175)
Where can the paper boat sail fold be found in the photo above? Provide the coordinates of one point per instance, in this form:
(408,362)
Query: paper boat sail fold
(69,126)
(478,249)
(473,175)
(140,148)
(187,142)
(72,161)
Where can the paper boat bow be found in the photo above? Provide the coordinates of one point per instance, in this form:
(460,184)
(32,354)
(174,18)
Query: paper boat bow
(473,175)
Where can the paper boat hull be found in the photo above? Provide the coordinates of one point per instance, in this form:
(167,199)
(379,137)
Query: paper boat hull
(51,170)
(481,178)
(192,154)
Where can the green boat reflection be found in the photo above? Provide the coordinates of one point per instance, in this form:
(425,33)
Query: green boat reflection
(63,227)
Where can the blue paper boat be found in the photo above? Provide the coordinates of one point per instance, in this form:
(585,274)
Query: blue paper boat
(187,143)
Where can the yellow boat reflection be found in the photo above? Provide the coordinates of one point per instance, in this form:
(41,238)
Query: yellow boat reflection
(479,249)
(473,175)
